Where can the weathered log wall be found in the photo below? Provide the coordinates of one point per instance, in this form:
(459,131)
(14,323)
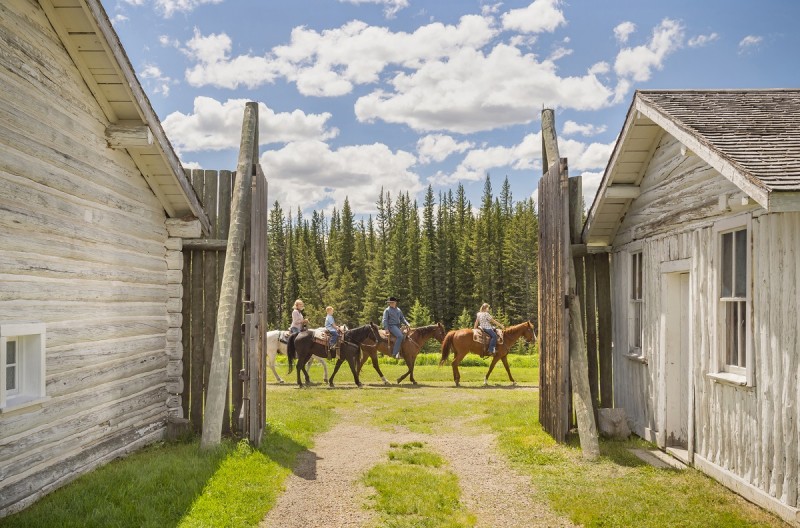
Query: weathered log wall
(82,249)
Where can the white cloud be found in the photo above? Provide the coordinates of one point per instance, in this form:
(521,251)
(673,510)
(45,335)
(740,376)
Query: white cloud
(539,16)
(391,6)
(638,63)
(215,67)
(571,127)
(213,125)
(471,91)
(305,173)
(331,62)
(590,182)
(170,7)
(161,82)
(118,18)
(491,9)
(526,155)
(437,147)
(559,53)
(623,31)
(701,40)
(749,43)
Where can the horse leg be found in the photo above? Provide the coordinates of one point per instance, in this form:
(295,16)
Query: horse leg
(504,359)
(491,367)
(301,361)
(456,361)
(335,370)
(374,358)
(271,364)
(352,362)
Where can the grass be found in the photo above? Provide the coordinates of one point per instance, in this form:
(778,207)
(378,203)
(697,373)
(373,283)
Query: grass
(178,485)
(413,491)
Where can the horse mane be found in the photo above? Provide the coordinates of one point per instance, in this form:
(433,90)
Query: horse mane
(357,334)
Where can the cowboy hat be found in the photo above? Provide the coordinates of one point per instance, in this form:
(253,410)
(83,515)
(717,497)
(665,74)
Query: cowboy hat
(391,299)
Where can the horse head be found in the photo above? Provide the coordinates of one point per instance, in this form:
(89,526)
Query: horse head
(440,332)
(374,332)
(528,333)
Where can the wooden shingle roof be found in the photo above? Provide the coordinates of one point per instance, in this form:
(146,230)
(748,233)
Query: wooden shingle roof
(758,130)
(751,137)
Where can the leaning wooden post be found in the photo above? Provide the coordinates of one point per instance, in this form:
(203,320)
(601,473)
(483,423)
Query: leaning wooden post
(578,368)
(220,360)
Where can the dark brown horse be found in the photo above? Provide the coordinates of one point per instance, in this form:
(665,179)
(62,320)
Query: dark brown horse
(462,342)
(302,346)
(412,344)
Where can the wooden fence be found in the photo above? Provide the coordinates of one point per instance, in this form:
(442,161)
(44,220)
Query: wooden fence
(204,261)
(560,225)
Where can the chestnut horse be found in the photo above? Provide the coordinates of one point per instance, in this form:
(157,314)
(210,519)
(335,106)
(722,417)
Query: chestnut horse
(412,344)
(462,342)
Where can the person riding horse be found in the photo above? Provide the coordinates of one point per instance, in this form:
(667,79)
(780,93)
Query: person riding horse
(484,321)
(393,319)
(333,329)
(298,319)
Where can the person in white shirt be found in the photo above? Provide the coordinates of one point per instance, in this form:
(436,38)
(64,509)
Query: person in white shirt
(484,321)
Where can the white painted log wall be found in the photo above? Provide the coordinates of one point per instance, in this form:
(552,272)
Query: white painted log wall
(82,248)
(751,432)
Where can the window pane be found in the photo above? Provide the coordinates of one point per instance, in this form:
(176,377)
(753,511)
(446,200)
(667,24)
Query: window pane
(741,263)
(742,333)
(639,276)
(11,378)
(11,352)
(726,265)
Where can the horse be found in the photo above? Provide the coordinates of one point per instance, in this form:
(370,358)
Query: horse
(412,344)
(302,346)
(462,342)
(275,346)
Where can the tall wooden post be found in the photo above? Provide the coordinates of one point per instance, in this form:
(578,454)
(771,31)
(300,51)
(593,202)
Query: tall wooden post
(240,209)
(587,429)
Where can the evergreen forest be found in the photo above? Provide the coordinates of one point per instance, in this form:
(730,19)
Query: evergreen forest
(442,260)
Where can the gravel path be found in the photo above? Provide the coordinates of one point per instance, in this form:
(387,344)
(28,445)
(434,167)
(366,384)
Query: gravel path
(325,488)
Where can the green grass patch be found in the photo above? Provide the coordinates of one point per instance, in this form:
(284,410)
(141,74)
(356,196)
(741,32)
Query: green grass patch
(180,485)
(413,491)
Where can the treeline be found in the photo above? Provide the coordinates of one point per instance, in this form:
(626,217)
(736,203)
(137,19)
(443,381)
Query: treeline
(442,259)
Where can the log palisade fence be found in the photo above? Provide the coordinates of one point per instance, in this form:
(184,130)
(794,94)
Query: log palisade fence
(568,274)
(204,262)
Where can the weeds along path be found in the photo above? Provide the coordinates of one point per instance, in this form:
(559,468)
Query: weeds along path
(326,486)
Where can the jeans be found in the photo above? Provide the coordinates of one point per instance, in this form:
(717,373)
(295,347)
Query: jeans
(334,335)
(294,330)
(395,331)
(492,338)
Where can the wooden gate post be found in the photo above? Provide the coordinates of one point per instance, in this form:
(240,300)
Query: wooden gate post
(579,375)
(220,360)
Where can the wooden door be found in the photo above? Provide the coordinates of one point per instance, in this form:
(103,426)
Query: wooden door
(677,370)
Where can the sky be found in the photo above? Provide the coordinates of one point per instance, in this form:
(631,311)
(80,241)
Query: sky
(359,95)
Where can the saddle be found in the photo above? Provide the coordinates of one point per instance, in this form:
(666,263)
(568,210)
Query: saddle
(482,337)
(390,339)
(322,337)
(284,337)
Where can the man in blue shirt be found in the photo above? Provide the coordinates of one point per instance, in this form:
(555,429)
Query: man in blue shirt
(393,319)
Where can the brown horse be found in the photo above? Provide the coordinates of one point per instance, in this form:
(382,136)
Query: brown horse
(462,342)
(412,344)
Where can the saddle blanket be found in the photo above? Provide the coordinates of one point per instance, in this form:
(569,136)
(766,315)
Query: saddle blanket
(482,337)
(321,336)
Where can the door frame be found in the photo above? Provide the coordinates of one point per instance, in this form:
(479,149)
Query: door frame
(670,271)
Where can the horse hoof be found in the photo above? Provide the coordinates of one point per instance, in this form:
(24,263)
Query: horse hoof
(398,381)
(386,381)
(325,380)
(281,381)
(513,383)
(414,383)
(360,385)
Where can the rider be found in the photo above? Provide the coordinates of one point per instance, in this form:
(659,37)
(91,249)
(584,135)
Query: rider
(484,321)
(393,318)
(298,319)
(332,327)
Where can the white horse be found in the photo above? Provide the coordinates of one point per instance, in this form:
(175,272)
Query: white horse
(275,347)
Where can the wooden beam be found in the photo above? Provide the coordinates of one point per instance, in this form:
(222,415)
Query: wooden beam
(627,192)
(129,136)
(205,244)
(184,228)
(240,209)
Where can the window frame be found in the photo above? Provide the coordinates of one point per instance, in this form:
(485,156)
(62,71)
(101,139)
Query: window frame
(634,353)
(17,365)
(30,359)
(741,375)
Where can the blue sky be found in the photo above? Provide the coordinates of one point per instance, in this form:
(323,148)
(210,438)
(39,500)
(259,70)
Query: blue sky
(356,95)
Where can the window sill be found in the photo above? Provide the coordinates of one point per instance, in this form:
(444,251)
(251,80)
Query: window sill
(726,378)
(23,405)
(636,358)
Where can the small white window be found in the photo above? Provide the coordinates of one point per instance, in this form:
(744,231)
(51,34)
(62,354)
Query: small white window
(636,304)
(734,338)
(22,364)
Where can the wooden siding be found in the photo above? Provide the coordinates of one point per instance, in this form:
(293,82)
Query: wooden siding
(82,249)
(750,432)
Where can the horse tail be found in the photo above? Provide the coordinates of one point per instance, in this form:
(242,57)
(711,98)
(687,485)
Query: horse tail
(447,342)
(290,351)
